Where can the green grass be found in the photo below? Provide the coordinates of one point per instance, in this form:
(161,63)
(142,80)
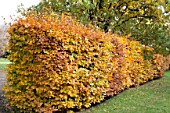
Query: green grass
(3,63)
(152,97)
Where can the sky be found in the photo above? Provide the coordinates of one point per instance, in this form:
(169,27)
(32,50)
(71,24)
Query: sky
(9,7)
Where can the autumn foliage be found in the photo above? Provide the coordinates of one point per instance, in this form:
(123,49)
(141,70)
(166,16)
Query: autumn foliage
(146,20)
(60,64)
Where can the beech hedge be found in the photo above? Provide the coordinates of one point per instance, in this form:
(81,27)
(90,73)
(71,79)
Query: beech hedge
(60,64)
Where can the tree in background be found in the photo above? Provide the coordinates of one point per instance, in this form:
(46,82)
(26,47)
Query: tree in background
(3,40)
(146,20)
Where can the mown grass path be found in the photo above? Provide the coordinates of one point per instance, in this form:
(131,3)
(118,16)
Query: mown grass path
(3,63)
(3,107)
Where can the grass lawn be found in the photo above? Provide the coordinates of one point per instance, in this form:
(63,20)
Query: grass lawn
(152,97)
(3,63)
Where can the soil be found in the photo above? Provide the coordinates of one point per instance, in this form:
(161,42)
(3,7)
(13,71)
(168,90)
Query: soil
(3,101)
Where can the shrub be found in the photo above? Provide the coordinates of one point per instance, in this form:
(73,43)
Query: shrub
(138,68)
(160,63)
(167,61)
(60,64)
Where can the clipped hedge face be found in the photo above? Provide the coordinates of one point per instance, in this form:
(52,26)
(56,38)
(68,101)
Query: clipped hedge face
(167,62)
(59,64)
(135,68)
(160,63)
